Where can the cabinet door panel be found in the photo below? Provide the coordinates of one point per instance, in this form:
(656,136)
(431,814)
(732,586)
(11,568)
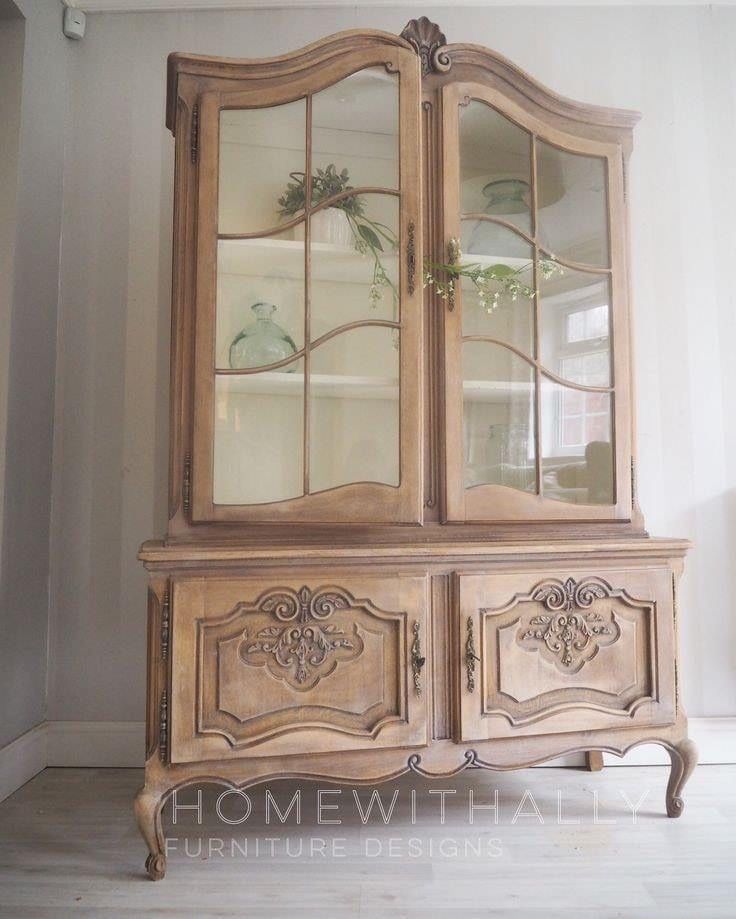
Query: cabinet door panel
(550,652)
(308,241)
(536,216)
(306,665)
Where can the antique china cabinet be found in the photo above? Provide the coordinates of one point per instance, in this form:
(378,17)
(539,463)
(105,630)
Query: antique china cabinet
(404,533)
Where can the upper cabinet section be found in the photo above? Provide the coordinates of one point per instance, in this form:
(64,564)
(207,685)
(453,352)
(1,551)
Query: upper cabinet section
(308,288)
(400,290)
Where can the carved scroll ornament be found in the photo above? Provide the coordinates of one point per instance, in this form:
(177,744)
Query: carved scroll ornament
(570,633)
(306,647)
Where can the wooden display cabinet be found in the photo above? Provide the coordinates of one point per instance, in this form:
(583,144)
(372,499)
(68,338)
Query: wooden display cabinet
(403,533)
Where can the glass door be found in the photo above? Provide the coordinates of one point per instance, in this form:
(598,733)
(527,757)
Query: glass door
(307,384)
(537,417)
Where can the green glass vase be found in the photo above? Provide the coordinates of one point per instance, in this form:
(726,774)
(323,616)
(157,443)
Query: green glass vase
(262,342)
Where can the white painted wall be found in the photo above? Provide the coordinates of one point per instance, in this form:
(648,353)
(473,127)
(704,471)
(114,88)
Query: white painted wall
(28,353)
(674,64)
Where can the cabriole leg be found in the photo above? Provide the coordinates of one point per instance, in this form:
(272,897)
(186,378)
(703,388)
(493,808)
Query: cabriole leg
(684,756)
(148,803)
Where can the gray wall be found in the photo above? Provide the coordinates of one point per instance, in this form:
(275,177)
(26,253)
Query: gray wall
(12,39)
(28,381)
(675,64)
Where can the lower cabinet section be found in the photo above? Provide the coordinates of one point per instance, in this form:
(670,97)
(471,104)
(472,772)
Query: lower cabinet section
(551,652)
(305,665)
(322,669)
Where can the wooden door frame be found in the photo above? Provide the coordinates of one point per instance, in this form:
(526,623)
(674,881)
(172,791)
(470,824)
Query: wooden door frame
(497,503)
(366,502)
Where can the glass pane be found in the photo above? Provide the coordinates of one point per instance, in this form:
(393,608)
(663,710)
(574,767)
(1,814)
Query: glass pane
(483,237)
(355,133)
(572,220)
(577,453)
(354,264)
(259,149)
(496,308)
(260,297)
(354,409)
(575,333)
(495,171)
(498,414)
(259,435)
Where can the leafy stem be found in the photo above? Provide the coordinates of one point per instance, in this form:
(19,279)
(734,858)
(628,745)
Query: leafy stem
(369,238)
(372,238)
(491,282)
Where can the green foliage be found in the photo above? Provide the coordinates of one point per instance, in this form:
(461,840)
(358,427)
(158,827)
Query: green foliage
(370,236)
(326,183)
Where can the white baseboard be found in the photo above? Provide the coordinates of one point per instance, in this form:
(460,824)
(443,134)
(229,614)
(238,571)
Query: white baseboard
(121,744)
(22,759)
(96,743)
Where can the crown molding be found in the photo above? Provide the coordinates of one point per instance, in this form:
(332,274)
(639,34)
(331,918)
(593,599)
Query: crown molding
(157,6)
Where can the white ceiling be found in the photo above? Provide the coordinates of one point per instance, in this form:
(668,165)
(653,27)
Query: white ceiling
(100,6)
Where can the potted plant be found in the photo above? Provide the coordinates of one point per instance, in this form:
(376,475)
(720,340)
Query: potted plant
(343,223)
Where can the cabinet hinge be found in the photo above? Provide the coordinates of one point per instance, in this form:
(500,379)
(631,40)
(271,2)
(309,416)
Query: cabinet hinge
(186,483)
(677,643)
(194,137)
(165,625)
(633,481)
(411,259)
(163,727)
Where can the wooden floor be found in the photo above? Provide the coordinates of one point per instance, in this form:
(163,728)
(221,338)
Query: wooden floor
(68,846)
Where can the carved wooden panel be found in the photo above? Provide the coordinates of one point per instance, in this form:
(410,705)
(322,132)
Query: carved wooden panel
(565,651)
(306,665)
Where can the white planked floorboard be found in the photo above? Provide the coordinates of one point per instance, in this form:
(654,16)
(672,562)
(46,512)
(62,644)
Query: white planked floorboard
(68,847)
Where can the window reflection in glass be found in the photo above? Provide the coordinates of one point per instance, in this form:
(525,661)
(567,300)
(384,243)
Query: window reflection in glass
(577,451)
(575,327)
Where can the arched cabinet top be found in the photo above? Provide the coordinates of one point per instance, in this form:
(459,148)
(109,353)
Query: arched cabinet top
(443,61)
(289,65)
(440,63)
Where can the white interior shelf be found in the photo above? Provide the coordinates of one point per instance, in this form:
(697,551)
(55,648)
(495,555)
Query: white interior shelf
(284,258)
(335,386)
(340,386)
(494,391)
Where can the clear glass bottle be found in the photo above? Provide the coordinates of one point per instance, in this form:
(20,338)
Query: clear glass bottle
(261,342)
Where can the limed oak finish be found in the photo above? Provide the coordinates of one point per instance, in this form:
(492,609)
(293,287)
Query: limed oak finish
(407,541)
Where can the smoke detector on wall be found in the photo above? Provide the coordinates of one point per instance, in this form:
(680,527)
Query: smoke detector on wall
(74,23)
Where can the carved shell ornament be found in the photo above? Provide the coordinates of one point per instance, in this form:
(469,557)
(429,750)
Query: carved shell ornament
(570,634)
(429,43)
(306,648)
